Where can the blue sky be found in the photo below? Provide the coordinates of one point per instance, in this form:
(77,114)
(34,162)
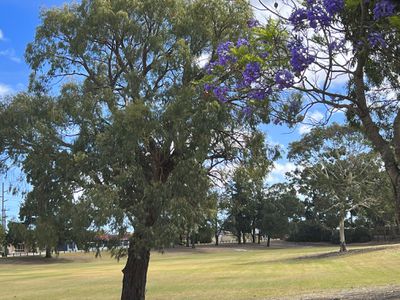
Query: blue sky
(18,20)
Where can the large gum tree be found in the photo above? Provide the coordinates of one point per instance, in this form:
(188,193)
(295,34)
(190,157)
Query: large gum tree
(142,140)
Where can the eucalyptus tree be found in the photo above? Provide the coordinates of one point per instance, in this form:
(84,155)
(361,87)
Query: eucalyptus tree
(328,55)
(279,206)
(140,140)
(246,186)
(338,165)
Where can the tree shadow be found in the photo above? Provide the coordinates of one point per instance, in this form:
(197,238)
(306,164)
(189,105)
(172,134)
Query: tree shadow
(33,260)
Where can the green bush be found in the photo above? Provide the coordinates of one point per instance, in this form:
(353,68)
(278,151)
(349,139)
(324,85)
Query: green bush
(309,231)
(359,234)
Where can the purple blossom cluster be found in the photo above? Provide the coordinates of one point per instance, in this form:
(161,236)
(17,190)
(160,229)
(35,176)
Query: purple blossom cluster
(383,9)
(318,16)
(242,42)
(251,73)
(259,94)
(375,39)
(317,13)
(336,45)
(252,23)
(220,93)
(300,58)
(333,6)
(284,79)
(224,53)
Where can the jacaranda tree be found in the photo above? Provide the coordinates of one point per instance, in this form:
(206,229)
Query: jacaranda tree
(327,54)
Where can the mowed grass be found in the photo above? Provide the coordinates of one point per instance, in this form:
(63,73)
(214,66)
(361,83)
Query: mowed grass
(206,273)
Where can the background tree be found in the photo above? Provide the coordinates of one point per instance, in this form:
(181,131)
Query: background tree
(246,185)
(279,207)
(3,241)
(337,164)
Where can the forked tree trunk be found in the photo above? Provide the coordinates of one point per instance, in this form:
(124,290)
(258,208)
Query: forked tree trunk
(135,273)
(48,252)
(343,247)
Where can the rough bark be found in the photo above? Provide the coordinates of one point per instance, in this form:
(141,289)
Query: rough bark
(343,247)
(135,273)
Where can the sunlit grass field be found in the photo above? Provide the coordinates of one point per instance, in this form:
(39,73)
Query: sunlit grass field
(205,273)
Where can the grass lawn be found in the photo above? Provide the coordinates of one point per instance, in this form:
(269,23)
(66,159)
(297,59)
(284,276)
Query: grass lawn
(206,273)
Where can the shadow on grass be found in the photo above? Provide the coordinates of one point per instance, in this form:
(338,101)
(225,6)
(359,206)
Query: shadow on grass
(338,254)
(33,260)
(317,256)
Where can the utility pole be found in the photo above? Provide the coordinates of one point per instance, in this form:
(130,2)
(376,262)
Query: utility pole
(3,218)
(3,209)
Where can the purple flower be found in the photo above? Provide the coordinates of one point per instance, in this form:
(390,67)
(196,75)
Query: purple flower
(284,79)
(317,16)
(298,17)
(336,45)
(220,93)
(242,42)
(251,73)
(383,8)
(264,54)
(210,67)
(224,53)
(252,23)
(208,87)
(300,58)
(258,94)
(376,39)
(333,6)
(247,111)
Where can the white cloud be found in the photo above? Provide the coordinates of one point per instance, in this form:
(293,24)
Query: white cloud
(5,90)
(10,54)
(311,120)
(203,60)
(1,35)
(278,172)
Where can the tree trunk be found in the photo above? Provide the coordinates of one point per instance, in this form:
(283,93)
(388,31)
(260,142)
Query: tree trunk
(343,247)
(187,240)
(268,240)
(253,235)
(372,131)
(259,237)
(239,236)
(244,238)
(48,252)
(216,239)
(135,273)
